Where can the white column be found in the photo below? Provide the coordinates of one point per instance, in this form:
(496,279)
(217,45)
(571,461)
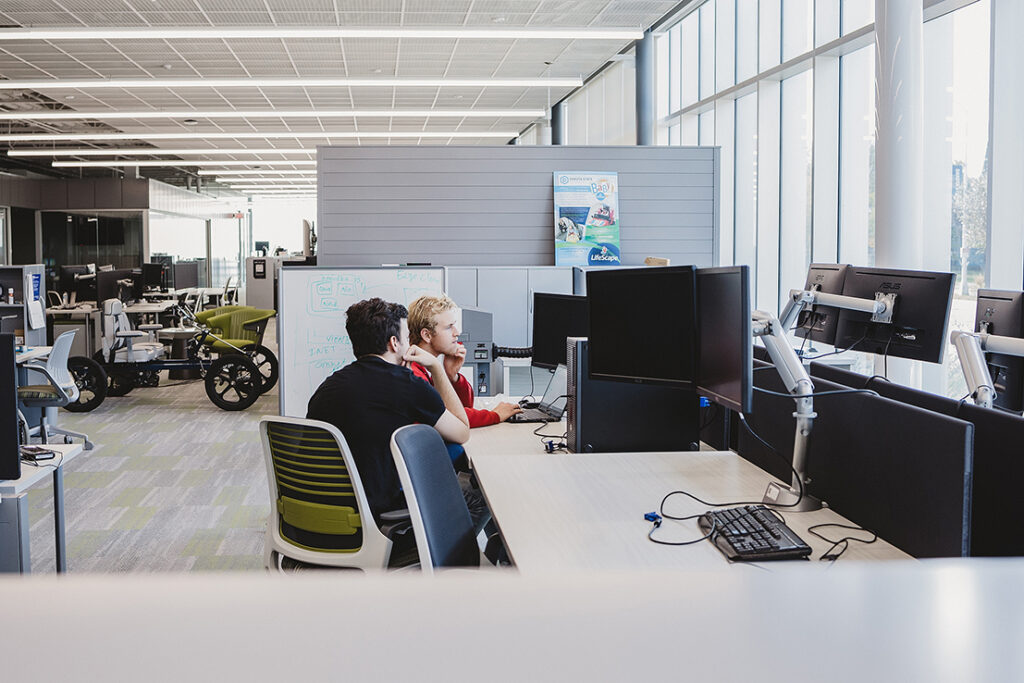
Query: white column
(899,120)
(1006,147)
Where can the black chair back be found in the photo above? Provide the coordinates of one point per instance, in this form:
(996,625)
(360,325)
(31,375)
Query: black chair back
(432,489)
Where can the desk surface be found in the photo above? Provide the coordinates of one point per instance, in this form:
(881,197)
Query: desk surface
(31,353)
(951,620)
(31,474)
(145,307)
(586,511)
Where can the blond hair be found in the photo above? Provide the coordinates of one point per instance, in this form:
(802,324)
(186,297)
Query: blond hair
(422,313)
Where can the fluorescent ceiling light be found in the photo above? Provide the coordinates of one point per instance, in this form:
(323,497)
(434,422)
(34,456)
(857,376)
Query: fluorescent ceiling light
(250,135)
(47,115)
(151,163)
(223,33)
(386,81)
(263,188)
(259,180)
(249,171)
(152,151)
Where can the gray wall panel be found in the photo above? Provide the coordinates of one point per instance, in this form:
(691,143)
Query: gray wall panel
(494,205)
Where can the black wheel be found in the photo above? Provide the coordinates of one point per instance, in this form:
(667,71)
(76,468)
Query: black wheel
(121,382)
(232,382)
(149,378)
(266,363)
(91,381)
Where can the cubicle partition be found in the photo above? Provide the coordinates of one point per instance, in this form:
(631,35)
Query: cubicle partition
(494,205)
(998,465)
(901,471)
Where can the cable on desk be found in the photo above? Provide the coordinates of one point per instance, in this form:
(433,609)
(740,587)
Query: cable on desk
(844,541)
(54,465)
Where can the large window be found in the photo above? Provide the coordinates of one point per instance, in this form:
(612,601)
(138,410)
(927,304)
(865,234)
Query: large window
(798,144)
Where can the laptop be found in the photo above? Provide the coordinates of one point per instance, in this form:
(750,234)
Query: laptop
(552,405)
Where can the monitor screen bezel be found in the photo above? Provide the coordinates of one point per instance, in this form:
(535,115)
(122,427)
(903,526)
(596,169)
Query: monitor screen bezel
(567,299)
(745,403)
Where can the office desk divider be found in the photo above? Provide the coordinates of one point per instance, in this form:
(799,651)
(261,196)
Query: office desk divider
(898,470)
(311,336)
(998,465)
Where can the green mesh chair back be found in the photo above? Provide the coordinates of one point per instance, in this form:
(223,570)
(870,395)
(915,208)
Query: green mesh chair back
(316,506)
(204,316)
(240,327)
(319,512)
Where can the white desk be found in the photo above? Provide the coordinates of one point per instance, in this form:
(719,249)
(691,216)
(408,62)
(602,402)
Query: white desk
(14,543)
(586,511)
(937,621)
(31,353)
(146,308)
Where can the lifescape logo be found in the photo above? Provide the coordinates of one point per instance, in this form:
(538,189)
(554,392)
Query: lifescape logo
(603,254)
(564,180)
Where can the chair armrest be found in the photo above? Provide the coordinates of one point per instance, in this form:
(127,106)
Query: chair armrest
(128,334)
(394,515)
(41,367)
(149,327)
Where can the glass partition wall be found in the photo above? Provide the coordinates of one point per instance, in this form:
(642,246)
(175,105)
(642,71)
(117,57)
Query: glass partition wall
(99,237)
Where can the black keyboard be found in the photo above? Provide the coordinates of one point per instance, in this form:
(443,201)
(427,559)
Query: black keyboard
(751,534)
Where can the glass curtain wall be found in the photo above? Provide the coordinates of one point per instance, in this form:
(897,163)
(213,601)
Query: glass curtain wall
(796,127)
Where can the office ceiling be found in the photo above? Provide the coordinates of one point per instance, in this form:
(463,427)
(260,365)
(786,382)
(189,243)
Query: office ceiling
(489,110)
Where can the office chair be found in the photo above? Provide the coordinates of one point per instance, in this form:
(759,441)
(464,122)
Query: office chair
(54,299)
(318,506)
(440,520)
(230,295)
(60,391)
(122,344)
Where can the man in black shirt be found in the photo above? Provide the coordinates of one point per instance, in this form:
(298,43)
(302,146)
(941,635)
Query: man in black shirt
(373,396)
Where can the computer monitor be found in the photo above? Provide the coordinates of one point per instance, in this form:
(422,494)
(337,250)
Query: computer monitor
(725,343)
(819,322)
(186,274)
(556,317)
(109,285)
(920,314)
(642,324)
(10,455)
(153,275)
(66,282)
(1002,313)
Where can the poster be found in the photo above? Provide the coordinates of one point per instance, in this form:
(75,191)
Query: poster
(586,219)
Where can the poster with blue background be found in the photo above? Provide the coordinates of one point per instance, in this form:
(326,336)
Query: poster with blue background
(586,218)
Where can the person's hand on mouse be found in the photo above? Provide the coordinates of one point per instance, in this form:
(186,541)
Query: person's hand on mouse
(506,410)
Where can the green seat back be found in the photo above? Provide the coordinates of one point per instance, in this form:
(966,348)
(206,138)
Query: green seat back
(317,508)
(239,327)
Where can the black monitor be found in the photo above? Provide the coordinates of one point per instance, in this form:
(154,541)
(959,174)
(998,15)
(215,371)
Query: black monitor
(110,285)
(186,274)
(10,455)
(642,325)
(153,275)
(920,314)
(555,318)
(819,322)
(1002,313)
(725,346)
(66,284)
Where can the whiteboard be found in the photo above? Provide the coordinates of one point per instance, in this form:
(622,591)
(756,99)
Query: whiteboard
(311,336)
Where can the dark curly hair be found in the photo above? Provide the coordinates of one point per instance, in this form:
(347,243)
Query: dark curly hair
(372,323)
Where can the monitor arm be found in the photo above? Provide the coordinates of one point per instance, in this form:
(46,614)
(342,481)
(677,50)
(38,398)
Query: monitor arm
(772,332)
(798,383)
(880,308)
(971,348)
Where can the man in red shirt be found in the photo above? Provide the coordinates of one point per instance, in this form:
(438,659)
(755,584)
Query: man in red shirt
(432,327)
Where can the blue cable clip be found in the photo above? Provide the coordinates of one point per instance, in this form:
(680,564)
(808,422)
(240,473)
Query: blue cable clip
(705,401)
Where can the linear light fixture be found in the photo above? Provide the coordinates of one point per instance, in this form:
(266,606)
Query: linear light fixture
(151,163)
(264,188)
(46,115)
(244,180)
(153,151)
(261,135)
(387,81)
(250,171)
(236,32)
